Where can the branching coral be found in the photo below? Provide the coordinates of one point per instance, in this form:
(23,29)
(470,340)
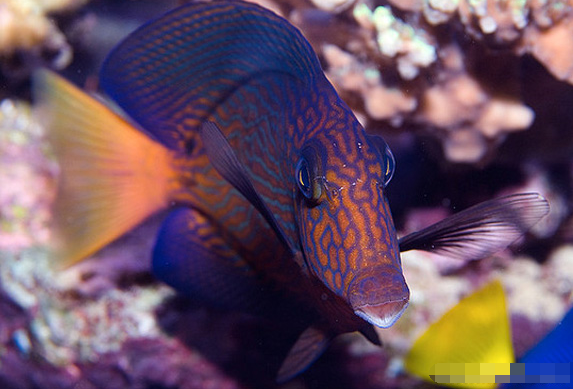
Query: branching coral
(411,47)
(543,27)
(437,50)
(470,116)
(381,102)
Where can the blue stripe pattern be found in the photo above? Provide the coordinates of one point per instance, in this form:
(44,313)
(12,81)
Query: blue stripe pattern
(254,75)
(169,74)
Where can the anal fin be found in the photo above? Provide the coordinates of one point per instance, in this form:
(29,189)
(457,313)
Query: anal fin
(370,333)
(308,347)
(192,256)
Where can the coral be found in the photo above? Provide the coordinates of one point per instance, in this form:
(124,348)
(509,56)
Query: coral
(502,21)
(448,56)
(333,5)
(460,110)
(542,28)
(545,28)
(380,101)
(431,295)
(559,272)
(553,46)
(468,116)
(412,47)
(26,27)
(529,293)
(60,336)
(26,176)
(63,332)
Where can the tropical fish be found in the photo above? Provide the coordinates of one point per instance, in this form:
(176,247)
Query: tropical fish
(276,193)
(556,347)
(477,330)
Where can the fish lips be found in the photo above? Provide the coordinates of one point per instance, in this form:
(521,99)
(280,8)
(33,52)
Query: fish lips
(379,295)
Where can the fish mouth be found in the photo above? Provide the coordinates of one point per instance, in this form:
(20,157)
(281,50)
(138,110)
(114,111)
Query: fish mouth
(382,315)
(379,295)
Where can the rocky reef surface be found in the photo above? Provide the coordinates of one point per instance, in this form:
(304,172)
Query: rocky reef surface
(474,98)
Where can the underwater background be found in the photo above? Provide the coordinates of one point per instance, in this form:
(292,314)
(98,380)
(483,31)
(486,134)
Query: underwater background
(473,97)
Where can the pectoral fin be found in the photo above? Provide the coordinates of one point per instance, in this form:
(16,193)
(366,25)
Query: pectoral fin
(481,230)
(227,164)
(308,347)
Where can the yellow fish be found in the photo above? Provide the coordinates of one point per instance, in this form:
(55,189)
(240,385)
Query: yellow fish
(476,330)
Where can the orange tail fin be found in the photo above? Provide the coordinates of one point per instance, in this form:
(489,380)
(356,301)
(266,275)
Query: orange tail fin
(112,175)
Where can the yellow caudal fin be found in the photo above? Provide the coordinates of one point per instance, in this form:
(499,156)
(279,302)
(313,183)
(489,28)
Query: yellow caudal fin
(112,175)
(476,330)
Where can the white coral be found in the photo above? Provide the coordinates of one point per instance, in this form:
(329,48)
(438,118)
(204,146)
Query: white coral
(396,39)
(24,25)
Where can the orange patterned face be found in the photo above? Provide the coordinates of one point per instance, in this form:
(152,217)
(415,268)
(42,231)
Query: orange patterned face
(347,233)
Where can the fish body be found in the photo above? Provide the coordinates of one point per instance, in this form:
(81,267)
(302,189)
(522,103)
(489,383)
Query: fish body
(276,191)
(279,114)
(338,233)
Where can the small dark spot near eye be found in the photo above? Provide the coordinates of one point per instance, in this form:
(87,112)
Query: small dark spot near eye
(334,192)
(189,146)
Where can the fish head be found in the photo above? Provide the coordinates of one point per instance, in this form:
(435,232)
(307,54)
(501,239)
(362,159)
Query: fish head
(346,229)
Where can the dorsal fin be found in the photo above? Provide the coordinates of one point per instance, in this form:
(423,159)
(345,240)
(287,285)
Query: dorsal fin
(171,73)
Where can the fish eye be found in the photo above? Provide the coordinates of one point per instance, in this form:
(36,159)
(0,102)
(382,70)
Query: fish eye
(390,166)
(303,178)
(306,175)
(389,163)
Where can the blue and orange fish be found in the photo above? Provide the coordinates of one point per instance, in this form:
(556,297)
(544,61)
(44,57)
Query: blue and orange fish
(277,194)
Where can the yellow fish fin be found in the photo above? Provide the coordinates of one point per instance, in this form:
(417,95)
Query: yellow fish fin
(112,175)
(476,330)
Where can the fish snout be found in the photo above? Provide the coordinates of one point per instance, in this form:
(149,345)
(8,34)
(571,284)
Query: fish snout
(379,295)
